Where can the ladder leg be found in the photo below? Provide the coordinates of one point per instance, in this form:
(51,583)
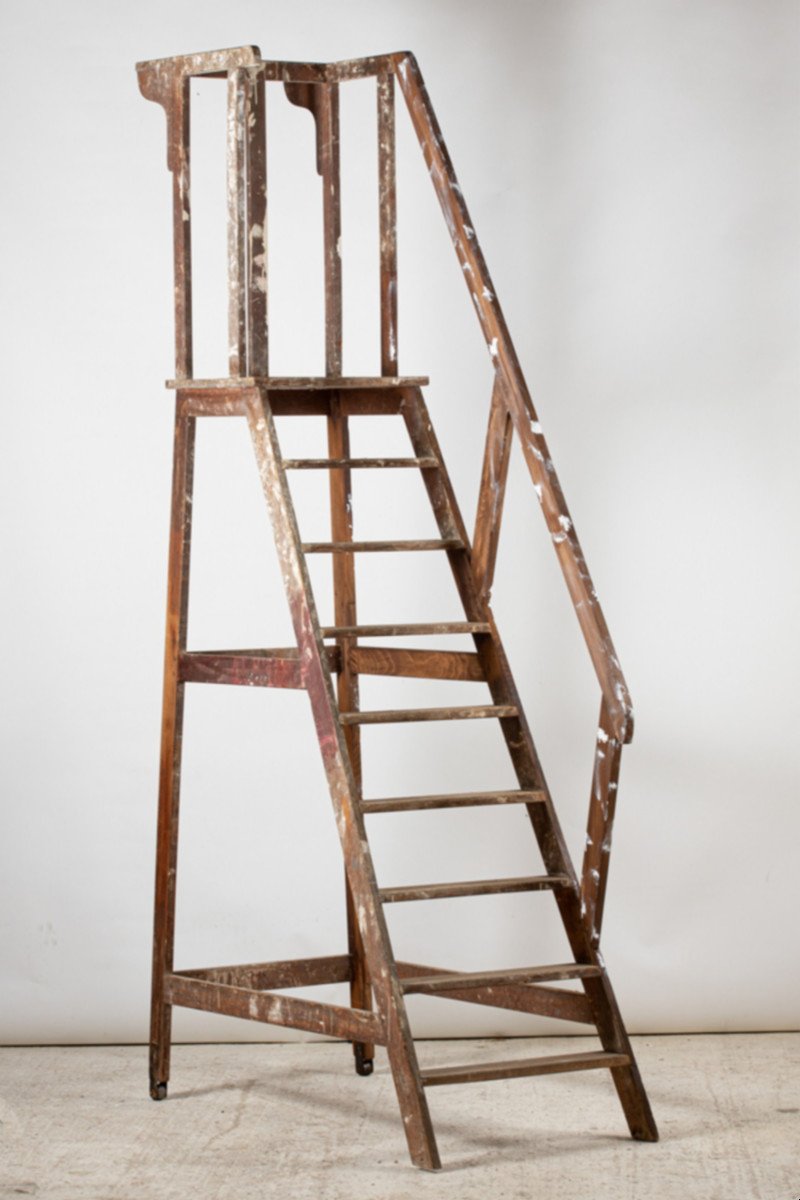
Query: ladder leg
(344,599)
(344,793)
(170,766)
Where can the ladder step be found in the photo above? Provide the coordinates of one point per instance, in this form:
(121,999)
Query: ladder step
(473,887)
(321,464)
(431,984)
(554,1064)
(375,547)
(388,716)
(355,631)
(457,800)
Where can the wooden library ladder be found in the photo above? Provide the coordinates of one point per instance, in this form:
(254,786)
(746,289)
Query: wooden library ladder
(327,661)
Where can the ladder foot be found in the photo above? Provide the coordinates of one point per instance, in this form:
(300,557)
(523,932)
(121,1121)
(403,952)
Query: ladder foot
(364,1065)
(158,1091)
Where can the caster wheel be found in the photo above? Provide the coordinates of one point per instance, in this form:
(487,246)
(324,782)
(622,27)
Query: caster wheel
(158,1091)
(364,1066)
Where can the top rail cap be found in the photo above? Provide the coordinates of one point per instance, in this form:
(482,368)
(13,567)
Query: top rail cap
(208,62)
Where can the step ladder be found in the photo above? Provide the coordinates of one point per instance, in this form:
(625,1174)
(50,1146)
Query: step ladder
(346,650)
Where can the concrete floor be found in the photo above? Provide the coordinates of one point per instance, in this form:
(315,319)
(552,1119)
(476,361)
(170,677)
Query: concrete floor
(293,1120)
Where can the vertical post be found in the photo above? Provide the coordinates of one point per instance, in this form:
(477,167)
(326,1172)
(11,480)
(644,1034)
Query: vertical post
(238,112)
(171,739)
(600,825)
(178,157)
(387,207)
(328,133)
(344,600)
(257,305)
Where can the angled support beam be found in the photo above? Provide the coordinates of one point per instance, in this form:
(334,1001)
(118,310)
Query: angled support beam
(492,491)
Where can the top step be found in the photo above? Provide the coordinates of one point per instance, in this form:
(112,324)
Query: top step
(305,383)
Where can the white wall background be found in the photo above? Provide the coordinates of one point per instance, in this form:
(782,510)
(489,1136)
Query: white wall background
(632,173)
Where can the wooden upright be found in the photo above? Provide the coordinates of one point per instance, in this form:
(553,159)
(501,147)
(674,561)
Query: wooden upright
(378,982)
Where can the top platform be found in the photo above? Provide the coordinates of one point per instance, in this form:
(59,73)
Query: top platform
(313,383)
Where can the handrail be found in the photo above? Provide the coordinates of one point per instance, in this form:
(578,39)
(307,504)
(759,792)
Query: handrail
(616,697)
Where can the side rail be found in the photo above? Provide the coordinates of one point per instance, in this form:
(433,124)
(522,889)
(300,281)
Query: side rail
(512,409)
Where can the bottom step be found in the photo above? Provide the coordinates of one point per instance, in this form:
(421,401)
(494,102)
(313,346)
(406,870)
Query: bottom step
(553,1065)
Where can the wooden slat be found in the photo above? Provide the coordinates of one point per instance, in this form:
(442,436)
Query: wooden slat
(273,1008)
(391,716)
(380,547)
(475,887)
(238,112)
(412,630)
(291,973)
(431,985)
(418,664)
(256,225)
(387,210)
(328,121)
(322,464)
(456,800)
(554,1064)
(557,1003)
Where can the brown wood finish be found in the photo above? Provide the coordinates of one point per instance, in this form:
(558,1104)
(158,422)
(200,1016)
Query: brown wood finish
(391,716)
(558,1003)
(421,664)
(290,973)
(274,1009)
(252,990)
(171,739)
(472,887)
(553,1065)
(450,800)
(492,492)
(347,694)
(431,985)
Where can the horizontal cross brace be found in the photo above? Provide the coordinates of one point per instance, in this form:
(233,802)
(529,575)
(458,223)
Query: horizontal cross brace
(289,973)
(232,401)
(249,668)
(526,998)
(273,1008)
